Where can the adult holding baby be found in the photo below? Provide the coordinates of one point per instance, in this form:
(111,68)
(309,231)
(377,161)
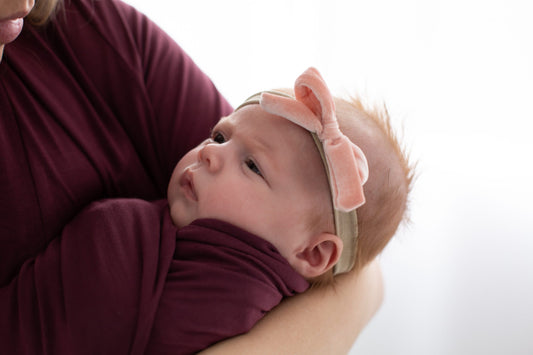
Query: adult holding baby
(97,102)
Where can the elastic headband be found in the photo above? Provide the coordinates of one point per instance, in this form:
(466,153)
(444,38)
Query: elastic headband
(345,163)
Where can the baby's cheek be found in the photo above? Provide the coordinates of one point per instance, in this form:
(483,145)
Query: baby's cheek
(227,209)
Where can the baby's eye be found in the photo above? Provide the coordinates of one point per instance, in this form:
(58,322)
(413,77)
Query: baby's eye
(251,165)
(218,137)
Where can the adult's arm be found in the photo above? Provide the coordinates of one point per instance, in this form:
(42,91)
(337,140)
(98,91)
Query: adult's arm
(93,290)
(162,100)
(323,320)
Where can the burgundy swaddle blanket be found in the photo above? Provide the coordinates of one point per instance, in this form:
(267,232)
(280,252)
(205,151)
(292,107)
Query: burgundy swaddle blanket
(122,279)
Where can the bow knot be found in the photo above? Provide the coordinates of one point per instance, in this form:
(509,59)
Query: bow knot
(314,109)
(330,132)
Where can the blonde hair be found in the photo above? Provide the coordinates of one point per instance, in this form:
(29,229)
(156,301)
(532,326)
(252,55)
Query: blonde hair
(43,11)
(390,178)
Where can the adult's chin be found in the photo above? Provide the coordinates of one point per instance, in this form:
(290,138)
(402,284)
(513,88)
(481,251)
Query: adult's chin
(10,30)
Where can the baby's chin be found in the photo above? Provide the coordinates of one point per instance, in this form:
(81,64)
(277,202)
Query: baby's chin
(179,219)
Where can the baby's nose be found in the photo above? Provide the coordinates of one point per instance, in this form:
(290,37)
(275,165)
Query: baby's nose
(210,156)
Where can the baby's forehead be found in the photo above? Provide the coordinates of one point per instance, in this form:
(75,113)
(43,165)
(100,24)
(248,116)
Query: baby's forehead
(287,140)
(253,119)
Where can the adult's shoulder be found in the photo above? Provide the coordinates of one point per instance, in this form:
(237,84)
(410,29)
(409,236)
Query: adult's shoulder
(97,26)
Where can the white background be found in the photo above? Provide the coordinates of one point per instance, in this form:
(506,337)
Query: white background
(457,75)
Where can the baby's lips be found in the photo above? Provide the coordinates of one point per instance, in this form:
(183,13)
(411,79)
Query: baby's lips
(187,184)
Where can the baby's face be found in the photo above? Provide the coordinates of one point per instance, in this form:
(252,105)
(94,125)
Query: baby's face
(257,171)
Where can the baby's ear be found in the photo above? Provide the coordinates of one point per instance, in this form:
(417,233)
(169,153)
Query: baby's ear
(321,254)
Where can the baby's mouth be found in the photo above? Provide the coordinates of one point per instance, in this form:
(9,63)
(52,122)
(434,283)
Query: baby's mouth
(187,185)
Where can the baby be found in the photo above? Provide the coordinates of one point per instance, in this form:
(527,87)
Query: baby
(260,171)
(273,200)
(286,169)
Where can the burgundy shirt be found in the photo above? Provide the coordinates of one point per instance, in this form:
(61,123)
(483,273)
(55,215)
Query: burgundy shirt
(100,103)
(122,279)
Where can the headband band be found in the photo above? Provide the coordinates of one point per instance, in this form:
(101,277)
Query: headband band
(345,163)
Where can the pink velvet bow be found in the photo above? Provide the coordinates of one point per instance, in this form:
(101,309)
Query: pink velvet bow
(314,110)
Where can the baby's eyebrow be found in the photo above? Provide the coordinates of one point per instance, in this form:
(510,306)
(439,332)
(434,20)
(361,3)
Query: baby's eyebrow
(268,152)
(264,146)
(222,121)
